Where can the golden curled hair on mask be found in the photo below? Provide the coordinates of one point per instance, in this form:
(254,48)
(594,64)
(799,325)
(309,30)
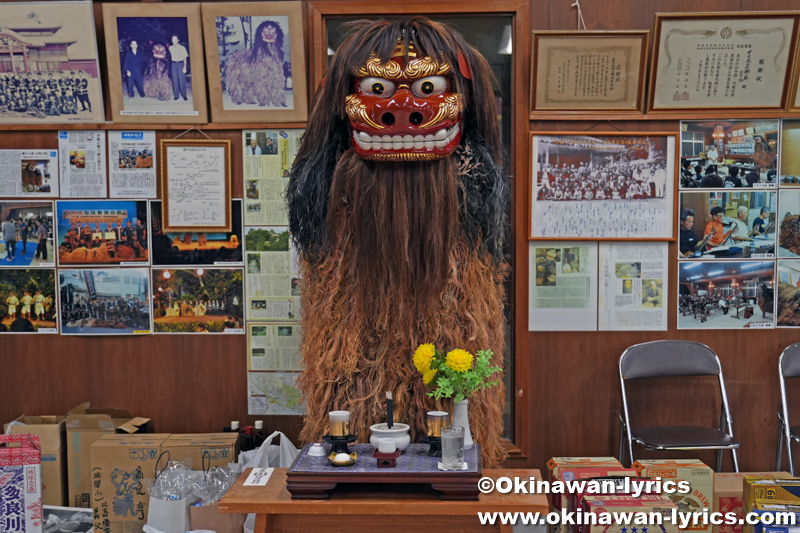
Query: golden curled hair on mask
(358,112)
(450,108)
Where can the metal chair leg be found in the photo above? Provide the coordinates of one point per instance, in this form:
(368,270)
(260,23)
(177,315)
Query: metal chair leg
(735,461)
(789,454)
(622,442)
(779,451)
(719,461)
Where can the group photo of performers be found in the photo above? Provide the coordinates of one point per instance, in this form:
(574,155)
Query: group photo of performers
(44,94)
(26,233)
(135,158)
(27,300)
(98,232)
(726,294)
(727,224)
(106,301)
(602,168)
(156,65)
(728,154)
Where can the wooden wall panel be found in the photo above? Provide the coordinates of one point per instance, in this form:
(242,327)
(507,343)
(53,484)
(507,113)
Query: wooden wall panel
(570,392)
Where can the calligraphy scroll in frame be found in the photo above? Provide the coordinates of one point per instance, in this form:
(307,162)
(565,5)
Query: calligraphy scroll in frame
(196,185)
(714,61)
(577,71)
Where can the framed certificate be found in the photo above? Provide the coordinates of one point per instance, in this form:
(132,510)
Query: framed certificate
(576,71)
(196,185)
(713,61)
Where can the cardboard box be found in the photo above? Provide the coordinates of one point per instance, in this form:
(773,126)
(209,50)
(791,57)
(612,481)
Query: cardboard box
(567,475)
(20,484)
(699,476)
(769,488)
(728,495)
(556,464)
(222,448)
(120,465)
(85,425)
(627,504)
(772,507)
(52,433)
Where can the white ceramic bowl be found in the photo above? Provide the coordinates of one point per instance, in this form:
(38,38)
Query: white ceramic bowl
(399,433)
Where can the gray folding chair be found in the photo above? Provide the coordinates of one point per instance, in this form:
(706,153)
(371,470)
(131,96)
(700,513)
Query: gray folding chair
(663,359)
(788,367)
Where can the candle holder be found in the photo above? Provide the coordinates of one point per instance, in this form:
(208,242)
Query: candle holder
(386,460)
(339,444)
(434,445)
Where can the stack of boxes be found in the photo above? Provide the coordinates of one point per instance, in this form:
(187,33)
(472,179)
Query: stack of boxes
(768,495)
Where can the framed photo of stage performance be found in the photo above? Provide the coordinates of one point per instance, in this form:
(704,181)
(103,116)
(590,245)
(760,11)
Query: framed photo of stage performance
(28,301)
(49,68)
(256,62)
(609,186)
(196,186)
(577,71)
(156,68)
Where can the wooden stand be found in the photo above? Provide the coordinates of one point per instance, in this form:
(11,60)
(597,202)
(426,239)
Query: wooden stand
(313,480)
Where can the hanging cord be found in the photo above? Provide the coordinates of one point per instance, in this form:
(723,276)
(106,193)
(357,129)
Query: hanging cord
(192,129)
(581,22)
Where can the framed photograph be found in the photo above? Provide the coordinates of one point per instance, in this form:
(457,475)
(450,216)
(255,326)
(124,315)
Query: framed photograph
(49,70)
(105,301)
(616,186)
(788,222)
(714,61)
(717,154)
(576,71)
(196,249)
(788,313)
(726,294)
(30,224)
(102,232)
(725,225)
(155,61)
(201,300)
(790,153)
(196,186)
(77,519)
(256,61)
(28,301)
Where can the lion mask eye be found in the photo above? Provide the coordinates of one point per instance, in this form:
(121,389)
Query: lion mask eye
(377,87)
(429,86)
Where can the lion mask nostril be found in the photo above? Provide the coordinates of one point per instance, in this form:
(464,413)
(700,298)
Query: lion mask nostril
(387,118)
(415,118)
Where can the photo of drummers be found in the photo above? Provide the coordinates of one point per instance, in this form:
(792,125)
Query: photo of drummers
(726,295)
(725,225)
(729,154)
(102,232)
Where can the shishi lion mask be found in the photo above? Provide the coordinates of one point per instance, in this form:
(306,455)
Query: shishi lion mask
(405,109)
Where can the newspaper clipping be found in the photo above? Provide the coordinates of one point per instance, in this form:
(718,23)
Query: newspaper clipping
(268,157)
(83,164)
(633,286)
(271,279)
(273,347)
(132,173)
(274,393)
(563,286)
(29,173)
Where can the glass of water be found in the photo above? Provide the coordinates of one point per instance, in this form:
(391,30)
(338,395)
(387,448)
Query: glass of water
(452,447)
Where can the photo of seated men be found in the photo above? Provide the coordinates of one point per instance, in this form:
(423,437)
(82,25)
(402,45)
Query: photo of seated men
(726,294)
(720,225)
(729,154)
(102,232)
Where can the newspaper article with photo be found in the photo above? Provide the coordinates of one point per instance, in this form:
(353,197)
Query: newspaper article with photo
(273,347)
(268,157)
(633,286)
(29,173)
(726,294)
(271,275)
(563,286)
(83,164)
(132,172)
(274,393)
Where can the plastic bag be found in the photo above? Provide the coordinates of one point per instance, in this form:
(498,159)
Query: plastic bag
(268,455)
(170,496)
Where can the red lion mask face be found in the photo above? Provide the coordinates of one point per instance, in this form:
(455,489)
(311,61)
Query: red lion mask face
(404,111)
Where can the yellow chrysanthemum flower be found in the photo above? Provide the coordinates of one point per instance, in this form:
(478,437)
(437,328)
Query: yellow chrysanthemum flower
(459,360)
(423,357)
(428,376)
